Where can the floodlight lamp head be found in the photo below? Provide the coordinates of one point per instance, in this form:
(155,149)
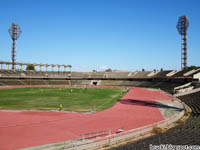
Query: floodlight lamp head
(14,31)
(182,25)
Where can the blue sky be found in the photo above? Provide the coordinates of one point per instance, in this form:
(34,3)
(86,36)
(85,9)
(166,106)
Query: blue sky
(98,34)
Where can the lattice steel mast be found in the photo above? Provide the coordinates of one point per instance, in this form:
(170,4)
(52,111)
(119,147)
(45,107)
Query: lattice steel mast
(14,32)
(182,27)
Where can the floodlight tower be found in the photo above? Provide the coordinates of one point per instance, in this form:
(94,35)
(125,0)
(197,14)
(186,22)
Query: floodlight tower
(182,27)
(14,32)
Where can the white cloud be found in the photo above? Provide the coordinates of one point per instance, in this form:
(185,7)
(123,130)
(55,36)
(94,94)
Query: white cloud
(103,67)
(83,67)
(80,68)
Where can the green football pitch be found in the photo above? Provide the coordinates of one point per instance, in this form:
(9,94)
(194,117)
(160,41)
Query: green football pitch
(50,98)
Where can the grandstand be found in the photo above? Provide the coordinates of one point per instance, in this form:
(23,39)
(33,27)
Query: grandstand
(165,80)
(182,72)
(162,74)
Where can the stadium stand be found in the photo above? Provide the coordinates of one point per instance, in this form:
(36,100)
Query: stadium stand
(58,82)
(138,79)
(19,73)
(165,86)
(192,73)
(56,74)
(182,72)
(162,74)
(33,82)
(97,75)
(117,74)
(192,100)
(79,74)
(11,82)
(142,74)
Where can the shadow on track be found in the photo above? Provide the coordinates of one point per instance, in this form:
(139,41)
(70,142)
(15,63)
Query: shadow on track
(148,104)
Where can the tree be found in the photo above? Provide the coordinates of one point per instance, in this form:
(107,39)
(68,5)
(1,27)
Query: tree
(143,70)
(161,69)
(108,70)
(192,67)
(30,67)
(94,71)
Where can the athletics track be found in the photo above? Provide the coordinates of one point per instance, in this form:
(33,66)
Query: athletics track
(21,129)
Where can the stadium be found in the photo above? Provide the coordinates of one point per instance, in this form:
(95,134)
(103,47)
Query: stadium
(93,127)
(47,106)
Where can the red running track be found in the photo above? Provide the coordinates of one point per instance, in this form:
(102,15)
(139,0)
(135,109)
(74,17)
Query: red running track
(21,129)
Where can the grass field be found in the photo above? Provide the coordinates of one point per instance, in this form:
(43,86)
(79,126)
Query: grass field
(49,98)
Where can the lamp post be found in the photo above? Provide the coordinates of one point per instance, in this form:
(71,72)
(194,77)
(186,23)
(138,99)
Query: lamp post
(182,27)
(14,32)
